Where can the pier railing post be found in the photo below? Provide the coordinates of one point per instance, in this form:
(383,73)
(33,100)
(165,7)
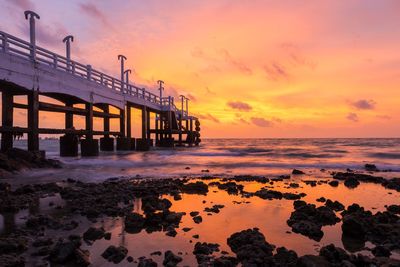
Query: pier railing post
(89,72)
(7,120)
(32,32)
(67,40)
(33,120)
(122,58)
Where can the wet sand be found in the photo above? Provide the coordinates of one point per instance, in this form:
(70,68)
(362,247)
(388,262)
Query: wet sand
(242,210)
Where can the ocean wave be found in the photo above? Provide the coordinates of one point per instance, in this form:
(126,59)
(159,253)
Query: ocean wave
(384,155)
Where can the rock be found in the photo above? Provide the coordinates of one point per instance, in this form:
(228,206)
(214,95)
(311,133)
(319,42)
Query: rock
(93,234)
(157,253)
(308,220)
(41,242)
(284,257)
(371,168)
(15,245)
(197,219)
(334,205)
(205,248)
(351,182)
(195,188)
(12,260)
(171,232)
(152,204)
(186,229)
(294,185)
(107,236)
(129,259)
(134,223)
(380,251)
(147,263)
(334,254)
(115,254)
(64,251)
(313,261)
(321,199)
(250,247)
(353,227)
(268,194)
(394,209)
(231,187)
(170,259)
(214,209)
(194,213)
(196,236)
(297,172)
(309,229)
(82,257)
(333,183)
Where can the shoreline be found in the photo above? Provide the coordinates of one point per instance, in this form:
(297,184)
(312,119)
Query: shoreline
(160,210)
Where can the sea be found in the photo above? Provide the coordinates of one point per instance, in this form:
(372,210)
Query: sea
(226,157)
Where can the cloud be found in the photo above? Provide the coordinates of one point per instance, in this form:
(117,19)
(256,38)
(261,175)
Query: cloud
(352,117)
(51,35)
(91,10)
(276,71)
(239,65)
(296,57)
(261,122)
(242,106)
(364,104)
(22,4)
(385,117)
(209,117)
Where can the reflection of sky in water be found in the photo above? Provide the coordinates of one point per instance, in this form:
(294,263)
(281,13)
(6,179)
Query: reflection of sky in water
(268,215)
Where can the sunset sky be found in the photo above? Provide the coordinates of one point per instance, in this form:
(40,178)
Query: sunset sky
(251,68)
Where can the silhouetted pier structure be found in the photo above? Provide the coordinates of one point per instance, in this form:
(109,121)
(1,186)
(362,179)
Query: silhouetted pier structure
(29,70)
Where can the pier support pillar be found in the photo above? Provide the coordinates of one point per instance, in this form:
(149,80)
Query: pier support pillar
(89,147)
(69,145)
(107,144)
(157,135)
(128,121)
(7,120)
(144,122)
(142,144)
(69,117)
(122,122)
(124,143)
(33,121)
(89,120)
(106,123)
(148,135)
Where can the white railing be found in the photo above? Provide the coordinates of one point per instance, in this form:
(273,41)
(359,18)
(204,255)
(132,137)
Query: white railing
(17,47)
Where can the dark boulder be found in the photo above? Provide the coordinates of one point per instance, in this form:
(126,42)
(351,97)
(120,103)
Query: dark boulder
(115,254)
(297,172)
(93,234)
(170,259)
(250,247)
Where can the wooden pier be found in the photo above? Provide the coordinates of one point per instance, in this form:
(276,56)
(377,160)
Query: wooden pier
(31,71)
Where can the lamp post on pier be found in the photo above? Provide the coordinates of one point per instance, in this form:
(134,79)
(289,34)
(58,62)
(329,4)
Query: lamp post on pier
(32,31)
(67,40)
(161,88)
(122,58)
(127,72)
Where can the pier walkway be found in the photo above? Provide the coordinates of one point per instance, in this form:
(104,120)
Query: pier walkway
(29,70)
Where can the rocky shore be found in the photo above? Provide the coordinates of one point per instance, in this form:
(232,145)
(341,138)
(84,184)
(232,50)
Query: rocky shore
(58,238)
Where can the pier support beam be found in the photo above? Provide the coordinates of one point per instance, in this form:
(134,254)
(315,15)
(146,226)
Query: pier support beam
(122,122)
(148,136)
(33,121)
(69,117)
(144,122)
(7,120)
(89,146)
(128,121)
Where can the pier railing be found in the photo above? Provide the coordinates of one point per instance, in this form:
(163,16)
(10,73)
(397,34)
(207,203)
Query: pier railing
(14,46)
